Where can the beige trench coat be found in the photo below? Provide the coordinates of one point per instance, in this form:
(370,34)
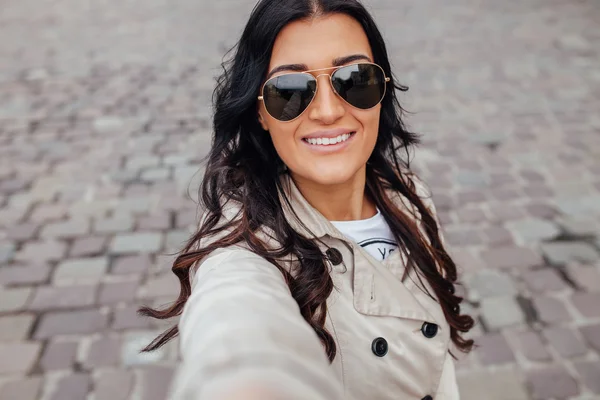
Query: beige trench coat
(241,327)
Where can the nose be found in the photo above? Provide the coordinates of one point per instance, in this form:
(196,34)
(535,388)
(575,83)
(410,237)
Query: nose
(326,107)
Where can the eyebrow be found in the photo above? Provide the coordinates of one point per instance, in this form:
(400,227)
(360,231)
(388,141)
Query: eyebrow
(303,67)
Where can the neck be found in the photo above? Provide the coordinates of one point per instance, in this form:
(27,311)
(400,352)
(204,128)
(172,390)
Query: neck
(345,201)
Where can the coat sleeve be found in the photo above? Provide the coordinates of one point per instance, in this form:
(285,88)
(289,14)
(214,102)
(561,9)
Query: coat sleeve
(242,332)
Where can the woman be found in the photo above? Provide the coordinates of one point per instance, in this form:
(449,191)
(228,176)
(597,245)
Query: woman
(318,271)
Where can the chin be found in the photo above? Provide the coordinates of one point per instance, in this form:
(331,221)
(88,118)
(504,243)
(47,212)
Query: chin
(329,176)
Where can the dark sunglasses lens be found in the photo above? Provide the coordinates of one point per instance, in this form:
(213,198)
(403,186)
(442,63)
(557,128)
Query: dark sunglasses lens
(361,85)
(287,96)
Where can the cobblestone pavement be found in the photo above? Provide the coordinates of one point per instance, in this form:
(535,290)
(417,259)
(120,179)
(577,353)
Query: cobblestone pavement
(104,119)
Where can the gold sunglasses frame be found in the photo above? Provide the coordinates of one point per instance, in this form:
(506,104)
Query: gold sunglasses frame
(262,89)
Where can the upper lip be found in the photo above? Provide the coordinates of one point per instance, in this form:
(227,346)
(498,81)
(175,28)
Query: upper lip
(330,133)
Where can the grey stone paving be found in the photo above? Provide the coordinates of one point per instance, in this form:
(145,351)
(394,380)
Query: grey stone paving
(104,119)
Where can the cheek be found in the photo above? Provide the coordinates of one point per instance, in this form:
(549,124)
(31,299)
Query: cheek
(370,123)
(283,141)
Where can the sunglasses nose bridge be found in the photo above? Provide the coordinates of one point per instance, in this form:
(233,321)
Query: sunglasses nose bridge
(326,106)
(329,75)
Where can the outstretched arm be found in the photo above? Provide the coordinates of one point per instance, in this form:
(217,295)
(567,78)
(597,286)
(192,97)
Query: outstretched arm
(243,337)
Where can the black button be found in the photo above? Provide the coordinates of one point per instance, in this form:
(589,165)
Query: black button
(379,347)
(334,256)
(428,397)
(429,330)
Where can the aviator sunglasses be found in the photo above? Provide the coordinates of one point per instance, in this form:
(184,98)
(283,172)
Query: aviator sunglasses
(287,96)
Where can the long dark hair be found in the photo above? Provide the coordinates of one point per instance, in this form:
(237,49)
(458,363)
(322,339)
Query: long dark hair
(243,167)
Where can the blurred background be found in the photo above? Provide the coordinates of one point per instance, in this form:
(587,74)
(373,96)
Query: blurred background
(104,118)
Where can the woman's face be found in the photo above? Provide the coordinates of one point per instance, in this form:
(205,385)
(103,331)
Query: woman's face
(317,44)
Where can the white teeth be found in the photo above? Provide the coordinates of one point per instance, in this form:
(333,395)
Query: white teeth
(329,141)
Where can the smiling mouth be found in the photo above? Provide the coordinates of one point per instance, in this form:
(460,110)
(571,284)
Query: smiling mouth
(329,141)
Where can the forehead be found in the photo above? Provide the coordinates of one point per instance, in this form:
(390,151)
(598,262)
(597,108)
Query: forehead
(317,42)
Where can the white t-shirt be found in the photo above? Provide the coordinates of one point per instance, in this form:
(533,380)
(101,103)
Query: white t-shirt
(372,234)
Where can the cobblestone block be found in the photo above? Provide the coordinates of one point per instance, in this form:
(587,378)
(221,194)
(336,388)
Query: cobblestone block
(493,349)
(178,159)
(588,304)
(552,382)
(107,124)
(14,299)
(113,385)
(124,176)
(164,285)
(498,236)
(590,373)
(126,317)
(462,237)
(560,253)
(591,334)
(186,219)
(120,223)
(24,231)
(67,229)
(48,213)
(135,163)
(490,283)
(72,387)
(52,297)
(115,292)
(131,264)
(43,250)
(501,312)
(511,257)
(470,179)
(585,276)
(81,270)
(59,355)
(24,275)
(579,207)
(19,357)
(155,222)
(551,310)
(501,384)
(155,381)
(532,347)
(565,341)
(579,226)
(544,280)
(137,204)
(155,174)
(7,252)
(15,327)
(88,246)
(142,242)
(533,230)
(176,240)
(102,352)
(21,389)
(90,209)
(70,322)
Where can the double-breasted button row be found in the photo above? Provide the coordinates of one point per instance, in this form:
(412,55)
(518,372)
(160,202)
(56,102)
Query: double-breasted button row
(380,345)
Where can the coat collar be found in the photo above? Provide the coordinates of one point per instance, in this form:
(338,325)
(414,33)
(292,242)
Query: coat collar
(309,222)
(374,292)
